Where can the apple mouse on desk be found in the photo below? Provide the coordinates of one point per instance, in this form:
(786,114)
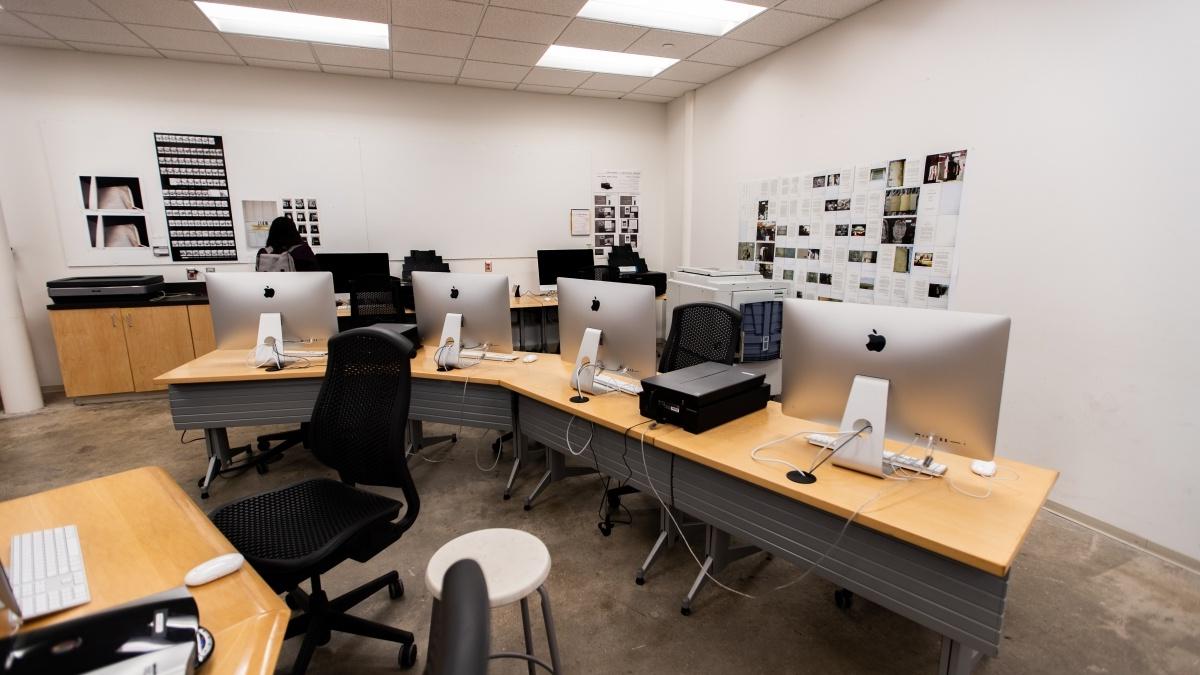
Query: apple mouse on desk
(982,468)
(530,358)
(211,570)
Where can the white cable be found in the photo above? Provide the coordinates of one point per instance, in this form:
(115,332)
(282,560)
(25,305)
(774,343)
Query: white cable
(586,444)
(670,515)
(836,435)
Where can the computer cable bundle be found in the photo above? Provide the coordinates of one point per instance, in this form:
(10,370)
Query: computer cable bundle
(847,434)
(995,478)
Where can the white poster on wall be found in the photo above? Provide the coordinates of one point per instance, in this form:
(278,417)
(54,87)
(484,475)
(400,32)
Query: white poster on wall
(616,207)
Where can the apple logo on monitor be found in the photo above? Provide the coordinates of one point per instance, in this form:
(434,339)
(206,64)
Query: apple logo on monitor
(595,304)
(876,342)
(453,293)
(268,292)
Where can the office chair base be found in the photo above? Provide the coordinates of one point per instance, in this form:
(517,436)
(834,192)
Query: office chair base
(321,616)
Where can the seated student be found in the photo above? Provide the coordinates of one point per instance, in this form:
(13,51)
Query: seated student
(286,250)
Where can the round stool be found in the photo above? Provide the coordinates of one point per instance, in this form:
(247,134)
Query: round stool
(514,564)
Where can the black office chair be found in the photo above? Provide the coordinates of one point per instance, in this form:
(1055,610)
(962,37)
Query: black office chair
(700,332)
(375,298)
(302,531)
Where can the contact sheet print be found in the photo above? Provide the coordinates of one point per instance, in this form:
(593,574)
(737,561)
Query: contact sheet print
(616,210)
(195,191)
(882,233)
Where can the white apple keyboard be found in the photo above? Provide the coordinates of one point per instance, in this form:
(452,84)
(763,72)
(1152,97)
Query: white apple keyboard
(47,571)
(301,354)
(902,461)
(631,388)
(486,356)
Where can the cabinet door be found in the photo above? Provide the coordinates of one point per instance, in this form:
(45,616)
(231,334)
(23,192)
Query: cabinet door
(203,340)
(158,339)
(91,351)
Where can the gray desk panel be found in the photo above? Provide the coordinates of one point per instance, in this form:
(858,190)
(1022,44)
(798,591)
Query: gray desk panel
(485,405)
(952,598)
(238,404)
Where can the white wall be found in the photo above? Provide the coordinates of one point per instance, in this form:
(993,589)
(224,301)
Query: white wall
(1079,217)
(410,134)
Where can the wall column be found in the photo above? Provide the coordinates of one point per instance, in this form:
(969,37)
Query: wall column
(19,389)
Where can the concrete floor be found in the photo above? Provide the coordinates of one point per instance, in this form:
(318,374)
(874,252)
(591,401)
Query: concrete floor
(1078,601)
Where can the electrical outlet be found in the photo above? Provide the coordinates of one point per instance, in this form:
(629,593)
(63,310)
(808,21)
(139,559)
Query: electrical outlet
(210,269)
(192,273)
(487,265)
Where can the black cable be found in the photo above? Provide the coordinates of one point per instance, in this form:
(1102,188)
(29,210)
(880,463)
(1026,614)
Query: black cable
(191,441)
(625,451)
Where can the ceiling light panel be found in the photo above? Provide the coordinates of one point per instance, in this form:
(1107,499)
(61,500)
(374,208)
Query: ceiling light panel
(706,17)
(295,26)
(598,61)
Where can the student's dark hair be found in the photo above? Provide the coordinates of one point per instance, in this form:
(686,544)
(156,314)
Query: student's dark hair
(283,235)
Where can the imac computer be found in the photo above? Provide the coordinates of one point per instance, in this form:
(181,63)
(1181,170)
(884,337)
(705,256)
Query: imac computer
(567,262)
(463,316)
(266,310)
(930,377)
(345,267)
(606,326)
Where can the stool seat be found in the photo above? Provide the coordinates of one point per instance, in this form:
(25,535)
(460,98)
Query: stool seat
(514,563)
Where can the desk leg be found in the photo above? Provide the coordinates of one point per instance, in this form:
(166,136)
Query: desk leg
(518,442)
(545,344)
(720,553)
(417,436)
(219,456)
(557,470)
(957,658)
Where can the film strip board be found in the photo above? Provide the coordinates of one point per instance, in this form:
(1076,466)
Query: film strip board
(196,197)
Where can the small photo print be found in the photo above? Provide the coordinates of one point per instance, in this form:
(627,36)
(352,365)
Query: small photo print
(606,212)
(312,216)
(316,241)
(600,200)
(312,203)
(765,270)
(923,259)
(606,239)
(118,231)
(866,283)
(630,239)
(781,252)
(810,278)
(826,279)
(627,200)
(599,252)
(803,231)
(789,275)
(765,232)
(299,203)
(856,256)
(841,230)
(899,231)
(315,229)
(938,290)
(833,180)
(300,218)
(837,204)
(781,231)
(946,167)
(302,229)
(629,212)
(901,202)
(111,193)
(746,250)
(764,209)
(903,264)
(606,226)
(290,215)
(813,254)
(818,181)
(287,203)
(895,173)
(870,257)
(859,230)
(766,252)
(878,174)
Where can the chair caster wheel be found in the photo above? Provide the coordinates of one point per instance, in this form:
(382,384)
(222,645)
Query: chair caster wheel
(507,496)
(408,656)
(453,439)
(528,506)
(640,580)
(324,638)
(264,446)
(200,483)
(203,495)
(605,528)
(261,468)
(291,602)
(396,589)
(843,598)
(686,611)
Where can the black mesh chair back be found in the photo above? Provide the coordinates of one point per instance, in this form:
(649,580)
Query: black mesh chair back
(361,413)
(601,273)
(459,631)
(700,332)
(375,295)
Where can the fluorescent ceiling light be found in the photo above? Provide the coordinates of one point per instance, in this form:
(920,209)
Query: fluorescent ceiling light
(295,26)
(707,17)
(596,60)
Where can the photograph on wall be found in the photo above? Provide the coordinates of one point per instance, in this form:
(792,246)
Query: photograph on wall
(107,193)
(315,229)
(837,204)
(300,217)
(895,173)
(765,252)
(745,251)
(764,209)
(316,241)
(765,231)
(899,231)
(120,231)
(196,197)
(901,202)
(257,216)
(902,264)
(765,269)
(945,167)
(606,212)
(606,226)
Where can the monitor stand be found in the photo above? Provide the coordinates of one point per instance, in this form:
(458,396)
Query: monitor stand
(267,351)
(446,355)
(866,405)
(582,379)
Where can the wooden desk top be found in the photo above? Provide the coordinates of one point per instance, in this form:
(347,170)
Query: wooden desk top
(140,535)
(983,533)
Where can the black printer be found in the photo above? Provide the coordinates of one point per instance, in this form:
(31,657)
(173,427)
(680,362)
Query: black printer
(700,397)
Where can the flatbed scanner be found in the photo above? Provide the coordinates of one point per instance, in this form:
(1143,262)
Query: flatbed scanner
(700,397)
(83,289)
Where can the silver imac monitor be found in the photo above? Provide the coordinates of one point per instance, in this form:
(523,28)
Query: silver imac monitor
(622,313)
(304,301)
(908,373)
(480,299)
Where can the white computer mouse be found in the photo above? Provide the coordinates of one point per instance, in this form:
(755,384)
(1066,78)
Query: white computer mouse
(530,358)
(982,468)
(211,570)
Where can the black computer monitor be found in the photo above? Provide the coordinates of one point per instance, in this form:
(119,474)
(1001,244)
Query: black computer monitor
(347,266)
(566,262)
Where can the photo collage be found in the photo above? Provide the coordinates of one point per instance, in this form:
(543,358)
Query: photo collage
(195,192)
(303,211)
(615,220)
(883,233)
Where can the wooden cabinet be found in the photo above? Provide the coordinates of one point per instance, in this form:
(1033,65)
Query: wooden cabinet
(91,351)
(158,339)
(203,339)
(116,350)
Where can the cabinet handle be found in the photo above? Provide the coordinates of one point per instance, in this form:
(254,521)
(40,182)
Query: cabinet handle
(129,320)
(114,319)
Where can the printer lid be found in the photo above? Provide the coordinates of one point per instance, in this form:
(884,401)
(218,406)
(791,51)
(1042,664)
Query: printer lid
(717,272)
(102,282)
(707,382)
